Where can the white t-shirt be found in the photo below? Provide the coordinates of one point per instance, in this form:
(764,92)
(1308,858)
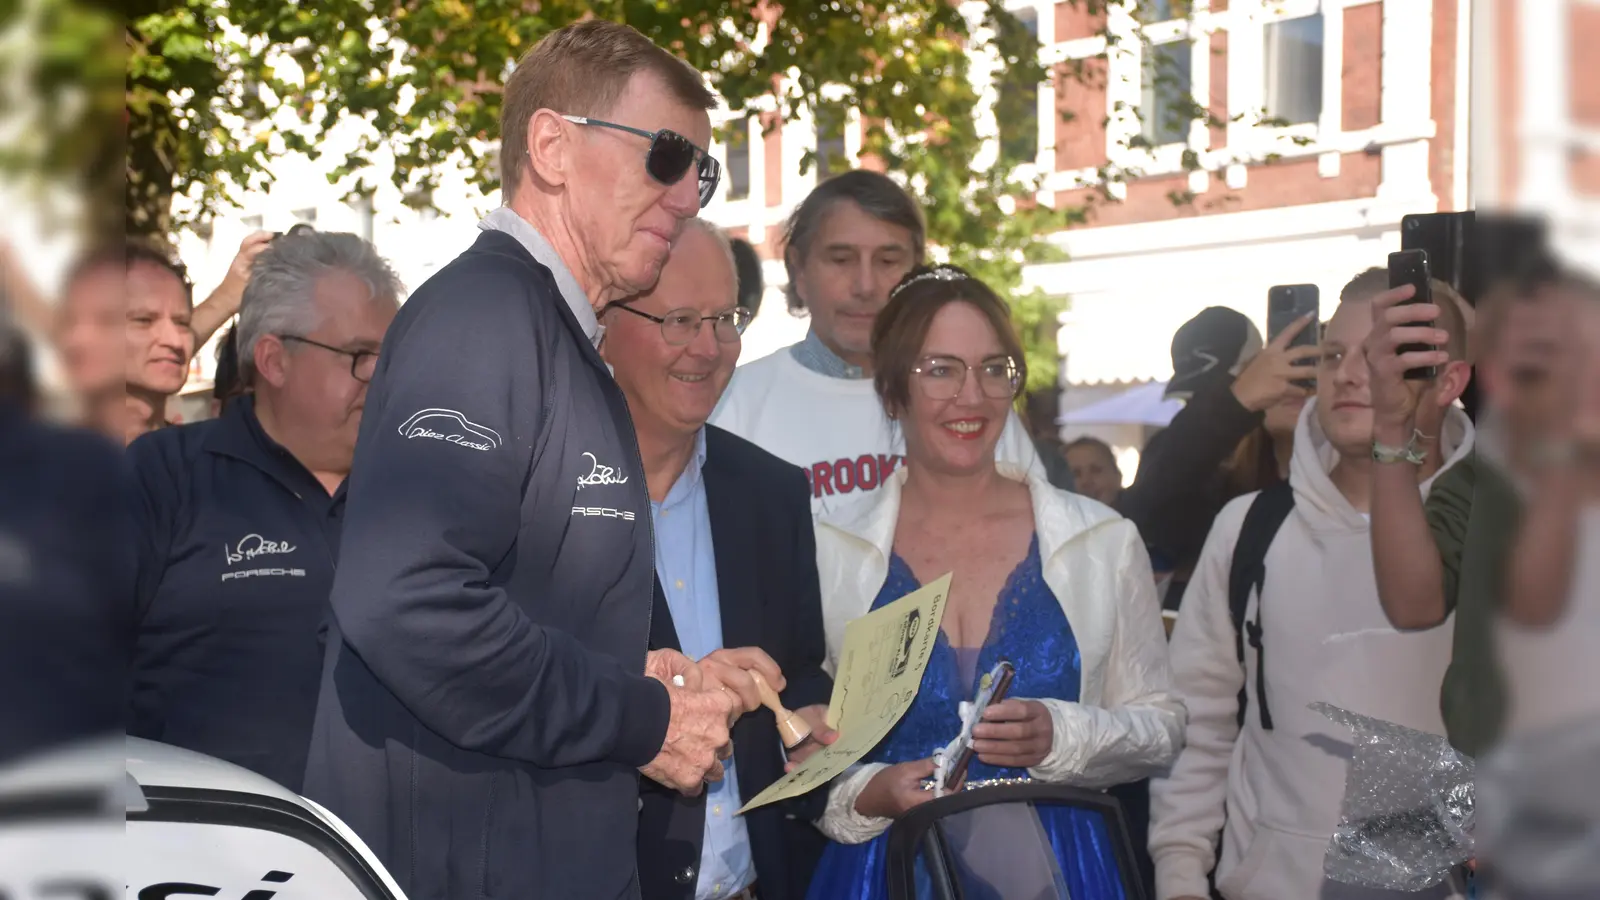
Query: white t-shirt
(833,428)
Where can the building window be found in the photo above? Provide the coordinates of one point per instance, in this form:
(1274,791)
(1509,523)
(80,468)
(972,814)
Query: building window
(738,161)
(307,215)
(830,142)
(1149,12)
(252,223)
(1017,105)
(1293,66)
(1166,92)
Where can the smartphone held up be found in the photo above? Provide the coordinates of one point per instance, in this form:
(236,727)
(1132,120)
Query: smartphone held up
(1411,267)
(1288,304)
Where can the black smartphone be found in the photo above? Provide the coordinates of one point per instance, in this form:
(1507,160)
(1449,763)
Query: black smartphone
(1448,239)
(1287,304)
(1411,267)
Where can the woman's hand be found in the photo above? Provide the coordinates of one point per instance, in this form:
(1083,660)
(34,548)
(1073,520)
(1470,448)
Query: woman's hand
(896,790)
(1014,734)
(816,716)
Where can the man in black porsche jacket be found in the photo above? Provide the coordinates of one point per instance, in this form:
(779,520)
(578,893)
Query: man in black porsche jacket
(487,703)
(736,567)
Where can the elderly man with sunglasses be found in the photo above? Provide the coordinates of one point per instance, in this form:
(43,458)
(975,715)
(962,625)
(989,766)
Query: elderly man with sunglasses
(236,519)
(489,702)
(736,568)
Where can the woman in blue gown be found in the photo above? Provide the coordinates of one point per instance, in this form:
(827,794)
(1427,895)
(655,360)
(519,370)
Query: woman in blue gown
(1057,584)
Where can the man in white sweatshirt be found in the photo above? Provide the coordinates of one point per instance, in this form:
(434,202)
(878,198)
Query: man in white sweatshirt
(1269,782)
(812,404)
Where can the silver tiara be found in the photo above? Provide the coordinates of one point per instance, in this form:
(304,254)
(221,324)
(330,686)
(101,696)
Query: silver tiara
(942,273)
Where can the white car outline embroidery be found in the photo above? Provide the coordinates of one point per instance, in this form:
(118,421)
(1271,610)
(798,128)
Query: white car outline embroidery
(466,424)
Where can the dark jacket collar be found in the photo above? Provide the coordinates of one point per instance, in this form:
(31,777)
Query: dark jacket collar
(501,244)
(732,507)
(238,434)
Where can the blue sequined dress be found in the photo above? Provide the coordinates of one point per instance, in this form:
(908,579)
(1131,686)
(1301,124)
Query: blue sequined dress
(1029,629)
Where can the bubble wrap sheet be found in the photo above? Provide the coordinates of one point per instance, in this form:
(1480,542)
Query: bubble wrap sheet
(1407,816)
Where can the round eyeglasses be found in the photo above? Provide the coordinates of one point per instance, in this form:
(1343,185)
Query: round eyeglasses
(363,363)
(943,377)
(680,326)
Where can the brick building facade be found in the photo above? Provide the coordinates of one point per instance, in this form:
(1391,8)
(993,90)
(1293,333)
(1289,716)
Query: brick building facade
(1376,109)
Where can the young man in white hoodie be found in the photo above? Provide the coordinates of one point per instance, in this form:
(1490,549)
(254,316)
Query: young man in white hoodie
(1268,780)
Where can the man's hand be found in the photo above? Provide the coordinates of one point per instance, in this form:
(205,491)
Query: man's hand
(816,716)
(1394,324)
(1014,734)
(697,736)
(730,670)
(894,791)
(664,665)
(244,260)
(1269,378)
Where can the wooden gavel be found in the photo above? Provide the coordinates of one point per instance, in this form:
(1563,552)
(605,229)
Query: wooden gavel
(791,728)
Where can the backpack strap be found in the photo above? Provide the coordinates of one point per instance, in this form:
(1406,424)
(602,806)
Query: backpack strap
(1249,571)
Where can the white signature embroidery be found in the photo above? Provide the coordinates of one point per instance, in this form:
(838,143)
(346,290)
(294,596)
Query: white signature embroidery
(253,545)
(598,474)
(459,429)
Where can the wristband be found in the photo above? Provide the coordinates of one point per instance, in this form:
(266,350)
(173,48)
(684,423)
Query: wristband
(1411,453)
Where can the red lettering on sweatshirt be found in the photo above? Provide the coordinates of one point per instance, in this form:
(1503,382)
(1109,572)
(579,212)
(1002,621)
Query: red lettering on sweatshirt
(846,476)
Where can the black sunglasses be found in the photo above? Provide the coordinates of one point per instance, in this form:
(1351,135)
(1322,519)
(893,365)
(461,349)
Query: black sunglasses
(670,156)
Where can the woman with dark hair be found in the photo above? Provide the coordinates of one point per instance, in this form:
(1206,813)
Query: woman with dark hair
(1056,584)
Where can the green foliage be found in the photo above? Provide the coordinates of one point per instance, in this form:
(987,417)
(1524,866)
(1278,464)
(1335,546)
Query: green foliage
(61,82)
(425,75)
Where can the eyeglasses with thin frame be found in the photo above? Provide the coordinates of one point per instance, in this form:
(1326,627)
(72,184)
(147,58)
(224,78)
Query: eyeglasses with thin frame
(363,363)
(943,377)
(680,326)
(670,156)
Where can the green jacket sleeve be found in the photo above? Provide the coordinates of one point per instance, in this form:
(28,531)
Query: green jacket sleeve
(1448,508)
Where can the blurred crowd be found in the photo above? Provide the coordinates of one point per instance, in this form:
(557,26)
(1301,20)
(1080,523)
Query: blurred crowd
(575,544)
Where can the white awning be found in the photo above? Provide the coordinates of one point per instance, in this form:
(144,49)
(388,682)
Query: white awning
(1142,405)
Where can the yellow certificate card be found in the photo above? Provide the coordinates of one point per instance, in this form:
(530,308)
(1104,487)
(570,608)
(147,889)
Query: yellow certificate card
(880,669)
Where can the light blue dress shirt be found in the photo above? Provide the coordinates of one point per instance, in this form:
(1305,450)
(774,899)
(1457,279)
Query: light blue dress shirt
(815,355)
(686,563)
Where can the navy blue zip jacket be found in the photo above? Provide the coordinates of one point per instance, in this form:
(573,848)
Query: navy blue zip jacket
(66,562)
(484,711)
(236,542)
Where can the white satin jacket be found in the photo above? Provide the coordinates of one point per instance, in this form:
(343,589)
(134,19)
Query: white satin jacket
(1126,724)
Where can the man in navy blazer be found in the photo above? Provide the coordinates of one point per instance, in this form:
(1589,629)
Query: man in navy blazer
(736,580)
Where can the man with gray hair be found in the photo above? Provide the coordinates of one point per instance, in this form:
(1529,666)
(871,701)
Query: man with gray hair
(489,701)
(236,519)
